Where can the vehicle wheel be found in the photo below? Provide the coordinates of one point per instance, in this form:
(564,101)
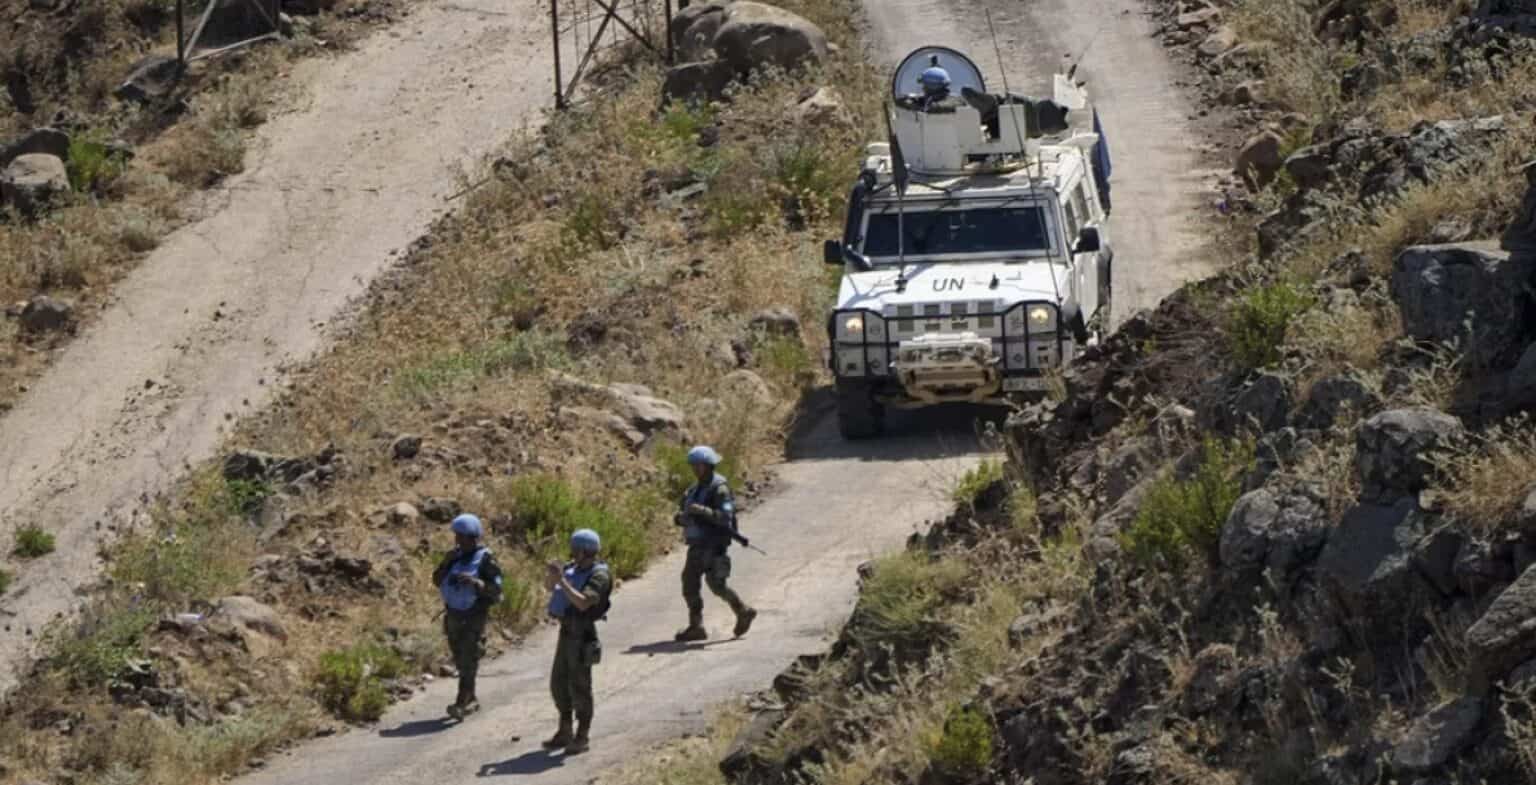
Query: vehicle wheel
(858,415)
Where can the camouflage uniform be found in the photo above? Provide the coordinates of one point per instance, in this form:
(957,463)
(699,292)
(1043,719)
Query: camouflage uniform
(576,651)
(707,562)
(465,629)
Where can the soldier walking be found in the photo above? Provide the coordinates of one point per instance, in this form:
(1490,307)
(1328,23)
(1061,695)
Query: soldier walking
(470,582)
(708,518)
(578,599)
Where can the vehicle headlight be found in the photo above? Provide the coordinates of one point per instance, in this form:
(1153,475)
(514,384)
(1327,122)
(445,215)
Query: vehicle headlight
(854,323)
(1040,317)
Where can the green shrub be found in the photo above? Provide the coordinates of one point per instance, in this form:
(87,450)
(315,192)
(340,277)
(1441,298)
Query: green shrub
(32,542)
(1022,508)
(592,223)
(520,597)
(351,680)
(1257,323)
(976,481)
(92,164)
(785,360)
(96,649)
(812,181)
(550,509)
(963,747)
(5,581)
(188,561)
(898,599)
(527,351)
(243,497)
(1180,520)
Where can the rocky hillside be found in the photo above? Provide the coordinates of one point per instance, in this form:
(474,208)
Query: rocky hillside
(1282,529)
(644,276)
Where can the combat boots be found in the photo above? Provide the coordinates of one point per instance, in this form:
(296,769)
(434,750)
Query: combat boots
(744,621)
(562,736)
(694,631)
(463,706)
(581,743)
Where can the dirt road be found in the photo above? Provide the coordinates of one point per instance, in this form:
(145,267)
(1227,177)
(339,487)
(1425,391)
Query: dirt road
(198,333)
(837,504)
(649,689)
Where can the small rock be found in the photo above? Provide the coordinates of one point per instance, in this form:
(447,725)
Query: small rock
(44,314)
(152,77)
(1279,532)
(703,81)
(47,141)
(1335,395)
(1438,736)
(777,321)
(440,510)
(745,385)
(404,514)
(1201,18)
(405,447)
(247,613)
(1309,167)
(1394,450)
(1218,42)
(1259,160)
(822,108)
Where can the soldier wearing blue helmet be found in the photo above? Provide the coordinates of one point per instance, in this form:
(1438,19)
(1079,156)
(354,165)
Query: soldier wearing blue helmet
(578,599)
(708,518)
(470,582)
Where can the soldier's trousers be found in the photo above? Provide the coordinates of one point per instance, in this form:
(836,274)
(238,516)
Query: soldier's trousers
(570,680)
(709,565)
(466,640)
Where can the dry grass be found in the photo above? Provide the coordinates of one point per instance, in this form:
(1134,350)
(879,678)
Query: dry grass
(571,242)
(690,761)
(1331,340)
(1485,486)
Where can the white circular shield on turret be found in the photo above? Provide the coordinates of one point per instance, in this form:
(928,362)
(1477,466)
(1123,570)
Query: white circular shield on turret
(962,72)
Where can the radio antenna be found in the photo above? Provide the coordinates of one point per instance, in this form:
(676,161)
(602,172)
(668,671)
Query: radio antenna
(1007,94)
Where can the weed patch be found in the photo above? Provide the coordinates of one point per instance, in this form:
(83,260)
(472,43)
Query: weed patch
(1180,521)
(1256,327)
(896,603)
(351,680)
(1485,486)
(963,746)
(550,509)
(5,581)
(101,645)
(976,481)
(32,542)
(532,350)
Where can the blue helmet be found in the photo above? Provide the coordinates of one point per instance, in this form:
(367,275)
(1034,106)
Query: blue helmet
(467,525)
(587,540)
(704,454)
(934,78)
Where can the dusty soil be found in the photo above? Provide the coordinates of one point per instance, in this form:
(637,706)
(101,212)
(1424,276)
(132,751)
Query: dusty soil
(200,333)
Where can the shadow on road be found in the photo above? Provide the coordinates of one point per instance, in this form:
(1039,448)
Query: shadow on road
(535,762)
(410,730)
(674,647)
(921,434)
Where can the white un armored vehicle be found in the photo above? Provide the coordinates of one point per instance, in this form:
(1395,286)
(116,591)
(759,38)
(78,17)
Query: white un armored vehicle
(975,253)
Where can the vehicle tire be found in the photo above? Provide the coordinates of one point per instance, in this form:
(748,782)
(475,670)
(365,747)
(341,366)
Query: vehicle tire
(858,415)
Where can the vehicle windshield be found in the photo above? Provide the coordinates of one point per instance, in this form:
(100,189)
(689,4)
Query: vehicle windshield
(978,230)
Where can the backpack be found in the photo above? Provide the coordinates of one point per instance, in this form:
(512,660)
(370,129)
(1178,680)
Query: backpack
(599,612)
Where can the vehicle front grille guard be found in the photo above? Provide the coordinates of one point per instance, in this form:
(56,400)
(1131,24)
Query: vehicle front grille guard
(883,349)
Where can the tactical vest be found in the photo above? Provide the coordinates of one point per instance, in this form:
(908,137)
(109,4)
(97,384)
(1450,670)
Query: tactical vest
(693,531)
(462,596)
(558,602)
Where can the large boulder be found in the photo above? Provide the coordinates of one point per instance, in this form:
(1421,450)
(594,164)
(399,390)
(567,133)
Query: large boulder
(694,29)
(33,181)
(1332,396)
(1437,737)
(49,141)
(1393,450)
(1368,565)
(1472,295)
(1505,635)
(1267,530)
(638,409)
(1520,385)
(704,81)
(1310,167)
(1261,404)
(756,35)
(1427,151)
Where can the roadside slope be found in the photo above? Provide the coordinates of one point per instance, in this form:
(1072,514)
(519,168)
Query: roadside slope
(649,690)
(201,331)
(1157,168)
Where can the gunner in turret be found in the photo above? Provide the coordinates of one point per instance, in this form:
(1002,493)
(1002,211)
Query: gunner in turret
(935,96)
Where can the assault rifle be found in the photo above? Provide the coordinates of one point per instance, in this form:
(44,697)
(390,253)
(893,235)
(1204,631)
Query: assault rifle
(680,519)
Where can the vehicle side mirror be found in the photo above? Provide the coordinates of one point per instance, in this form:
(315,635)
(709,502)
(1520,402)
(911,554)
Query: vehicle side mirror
(1087,240)
(832,252)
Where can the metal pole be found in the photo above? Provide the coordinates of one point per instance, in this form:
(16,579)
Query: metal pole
(554,26)
(668,22)
(181,35)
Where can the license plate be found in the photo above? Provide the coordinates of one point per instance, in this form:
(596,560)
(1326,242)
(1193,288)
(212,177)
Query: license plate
(1023,384)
